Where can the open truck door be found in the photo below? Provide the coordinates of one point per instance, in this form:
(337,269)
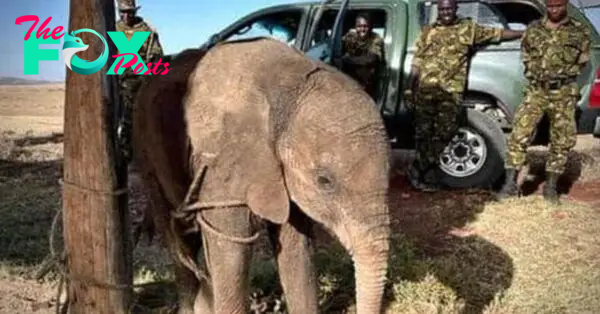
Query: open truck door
(329,51)
(336,36)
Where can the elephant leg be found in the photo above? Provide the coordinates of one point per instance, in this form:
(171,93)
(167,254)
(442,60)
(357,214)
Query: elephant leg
(187,283)
(228,261)
(292,247)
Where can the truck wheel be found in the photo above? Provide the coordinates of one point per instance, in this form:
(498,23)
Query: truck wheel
(475,156)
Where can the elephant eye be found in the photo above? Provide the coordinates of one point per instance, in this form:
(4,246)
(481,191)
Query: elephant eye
(325,180)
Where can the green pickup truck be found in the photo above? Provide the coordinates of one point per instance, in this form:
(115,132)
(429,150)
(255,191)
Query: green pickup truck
(475,157)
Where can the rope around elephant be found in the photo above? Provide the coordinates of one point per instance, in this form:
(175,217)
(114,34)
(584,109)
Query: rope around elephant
(186,210)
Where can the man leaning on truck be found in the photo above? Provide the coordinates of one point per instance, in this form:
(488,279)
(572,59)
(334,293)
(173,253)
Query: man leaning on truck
(554,50)
(437,82)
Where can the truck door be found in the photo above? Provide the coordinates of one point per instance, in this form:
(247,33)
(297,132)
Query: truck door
(330,49)
(329,22)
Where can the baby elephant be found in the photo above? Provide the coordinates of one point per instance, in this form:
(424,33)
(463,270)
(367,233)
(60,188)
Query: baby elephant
(255,136)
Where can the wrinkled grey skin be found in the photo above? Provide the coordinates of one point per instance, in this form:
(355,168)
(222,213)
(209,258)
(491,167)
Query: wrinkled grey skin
(301,145)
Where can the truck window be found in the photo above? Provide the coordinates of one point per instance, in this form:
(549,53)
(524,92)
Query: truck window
(481,13)
(593,14)
(318,46)
(509,15)
(518,14)
(282,25)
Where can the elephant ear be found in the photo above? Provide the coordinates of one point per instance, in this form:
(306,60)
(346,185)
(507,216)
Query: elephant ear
(267,194)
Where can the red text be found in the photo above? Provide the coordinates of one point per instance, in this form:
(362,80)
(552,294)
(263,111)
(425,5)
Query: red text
(140,66)
(43,30)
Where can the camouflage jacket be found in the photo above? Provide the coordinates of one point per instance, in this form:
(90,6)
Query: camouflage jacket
(155,52)
(442,53)
(550,54)
(362,52)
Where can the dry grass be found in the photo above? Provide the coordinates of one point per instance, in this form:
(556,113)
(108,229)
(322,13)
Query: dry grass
(452,252)
(523,257)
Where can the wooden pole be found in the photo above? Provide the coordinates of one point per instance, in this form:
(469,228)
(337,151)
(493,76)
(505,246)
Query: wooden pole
(95,218)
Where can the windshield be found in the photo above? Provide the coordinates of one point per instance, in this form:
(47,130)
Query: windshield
(593,14)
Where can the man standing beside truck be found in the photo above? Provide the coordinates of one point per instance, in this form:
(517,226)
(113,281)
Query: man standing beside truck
(437,83)
(555,50)
(129,83)
(362,52)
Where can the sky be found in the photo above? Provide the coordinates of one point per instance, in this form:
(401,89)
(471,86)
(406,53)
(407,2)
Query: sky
(187,24)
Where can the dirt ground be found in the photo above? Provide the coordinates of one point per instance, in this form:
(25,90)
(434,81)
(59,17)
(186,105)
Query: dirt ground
(31,162)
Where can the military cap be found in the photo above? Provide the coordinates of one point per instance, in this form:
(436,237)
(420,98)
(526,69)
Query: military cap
(127,5)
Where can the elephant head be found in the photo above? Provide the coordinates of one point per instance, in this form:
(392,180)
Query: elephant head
(273,127)
(334,156)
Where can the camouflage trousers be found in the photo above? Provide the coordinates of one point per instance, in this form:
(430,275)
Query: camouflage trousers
(436,122)
(129,86)
(559,105)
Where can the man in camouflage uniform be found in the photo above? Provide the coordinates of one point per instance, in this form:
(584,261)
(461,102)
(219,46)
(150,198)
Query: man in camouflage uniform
(129,82)
(437,83)
(362,52)
(554,50)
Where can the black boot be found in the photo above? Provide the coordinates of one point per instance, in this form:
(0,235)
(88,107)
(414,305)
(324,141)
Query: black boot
(422,180)
(550,192)
(510,188)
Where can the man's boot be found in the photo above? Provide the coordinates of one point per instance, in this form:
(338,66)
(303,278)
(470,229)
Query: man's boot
(510,187)
(417,178)
(431,179)
(550,192)
(422,180)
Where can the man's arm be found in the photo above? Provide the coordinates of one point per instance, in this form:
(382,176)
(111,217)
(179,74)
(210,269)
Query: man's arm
(485,34)
(374,54)
(508,34)
(413,78)
(156,49)
(376,48)
(584,56)
(526,53)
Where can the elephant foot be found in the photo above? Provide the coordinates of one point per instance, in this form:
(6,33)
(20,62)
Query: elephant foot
(203,303)
(185,310)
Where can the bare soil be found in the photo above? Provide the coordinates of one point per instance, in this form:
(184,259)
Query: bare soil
(455,251)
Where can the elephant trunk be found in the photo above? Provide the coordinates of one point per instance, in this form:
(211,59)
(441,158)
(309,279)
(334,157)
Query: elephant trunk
(370,250)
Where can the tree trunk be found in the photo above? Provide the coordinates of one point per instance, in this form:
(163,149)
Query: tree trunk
(95,218)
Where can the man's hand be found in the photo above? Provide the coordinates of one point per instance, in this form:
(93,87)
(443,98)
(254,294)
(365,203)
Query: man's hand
(414,79)
(413,85)
(508,34)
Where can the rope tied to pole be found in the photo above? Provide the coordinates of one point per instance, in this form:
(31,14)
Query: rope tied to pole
(188,211)
(58,260)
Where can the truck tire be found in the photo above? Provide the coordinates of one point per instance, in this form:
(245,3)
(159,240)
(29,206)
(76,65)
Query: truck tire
(476,159)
